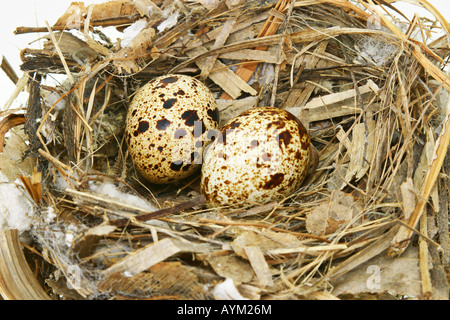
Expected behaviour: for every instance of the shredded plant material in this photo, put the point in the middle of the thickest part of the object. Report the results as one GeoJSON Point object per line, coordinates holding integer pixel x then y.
{"type": "Point", "coordinates": [370, 86]}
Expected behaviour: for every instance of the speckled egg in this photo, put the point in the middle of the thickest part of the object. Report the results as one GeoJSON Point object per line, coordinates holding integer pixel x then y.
{"type": "Point", "coordinates": [166, 127]}
{"type": "Point", "coordinates": [261, 155]}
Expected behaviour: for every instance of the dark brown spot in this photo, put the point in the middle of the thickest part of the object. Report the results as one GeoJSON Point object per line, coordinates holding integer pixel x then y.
{"type": "Point", "coordinates": [304, 146]}
{"type": "Point", "coordinates": [278, 123]}
{"type": "Point", "coordinates": [133, 113]}
{"type": "Point", "coordinates": [214, 114]}
{"type": "Point", "coordinates": [162, 124]}
{"type": "Point", "coordinates": [143, 126]}
{"type": "Point", "coordinates": [234, 125]}
{"type": "Point", "coordinates": [298, 155]}
{"type": "Point", "coordinates": [160, 149]}
{"type": "Point", "coordinates": [169, 103]}
{"type": "Point", "coordinates": [179, 92]}
{"type": "Point", "coordinates": [275, 180]}
{"type": "Point", "coordinates": [169, 80]}
{"type": "Point", "coordinates": [162, 95]}
{"type": "Point", "coordinates": [177, 165]}
{"type": "Point", "coordinates": [190, 116]}
{"type": "Point", "coordinates": [204, 186]}
{"type": "Point", "coordinates": [284, 137]}
{"type": "Point", "coordinates": [266, 157]}
{"type": "Point", "coordinates": [135, 133]}
{"type": "Point", "coordinates": [180, 133]}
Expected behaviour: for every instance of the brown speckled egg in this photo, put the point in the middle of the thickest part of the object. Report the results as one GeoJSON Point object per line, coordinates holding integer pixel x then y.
{"type": "Point", "coordinates": [262, 155]}
{"type": "Point", "coordinates": [166, 127]}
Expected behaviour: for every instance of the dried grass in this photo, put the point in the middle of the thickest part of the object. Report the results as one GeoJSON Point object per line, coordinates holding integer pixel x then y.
{"type": "Point", "coordinates": [373, 100]}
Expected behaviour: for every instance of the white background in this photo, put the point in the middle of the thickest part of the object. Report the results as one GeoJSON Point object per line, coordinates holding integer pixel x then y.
{"type": "Point", "coordinates": [35, 12]}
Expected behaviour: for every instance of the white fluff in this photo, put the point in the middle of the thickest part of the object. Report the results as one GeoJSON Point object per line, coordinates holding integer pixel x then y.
{"type": "Point", "coordinates": [16, 209]}
{"type": "Point", "coordinates": [227, 291]}
{"type": "Point", "coordinates": [51, 99]}
{"type": "Point", "coordinates": [171, 21]}
{"type": "Point", "coordinates": [131, 32]}
{"type": "Point", "coordinates": [110, 190]}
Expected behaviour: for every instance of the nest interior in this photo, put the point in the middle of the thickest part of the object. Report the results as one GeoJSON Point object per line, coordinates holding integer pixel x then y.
{"type": "Point", "coordinates": [370, 85]}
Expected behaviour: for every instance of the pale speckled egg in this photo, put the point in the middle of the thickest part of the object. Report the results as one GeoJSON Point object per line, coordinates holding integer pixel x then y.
{"type": "Point", "coordinates": [166, 127]}
{"type": "Point", "coordinates": [261, 155]}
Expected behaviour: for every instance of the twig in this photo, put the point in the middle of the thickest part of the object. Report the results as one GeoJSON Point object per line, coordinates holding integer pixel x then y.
{"type": "Point", "coordinates": [60, 54]}
{"type": "Point", "coordinates": [163, 212]}
{"type": "Point", "coordinates": [6, 67]}
{"type": "Point", "coordinates": [265, 226]}
{"type": "Point", "coordinates": [121, 20]}
{"type": "Point", "coordinates": [423, 259]}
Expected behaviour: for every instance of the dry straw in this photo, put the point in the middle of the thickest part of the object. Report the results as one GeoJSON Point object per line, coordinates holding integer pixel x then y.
{"type": "Point", "coordinates": [369, 84]}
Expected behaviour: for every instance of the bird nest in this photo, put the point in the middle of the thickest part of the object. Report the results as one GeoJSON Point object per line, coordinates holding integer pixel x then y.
{"type": "Point", "coordinates": [369, 84]}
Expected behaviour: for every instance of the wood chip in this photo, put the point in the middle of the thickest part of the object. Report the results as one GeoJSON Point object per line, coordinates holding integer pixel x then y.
{"type": "Point", "coordinates": [330, 216]}
{"type": "Point", "coordinates": [231, 108]}
{"type": "Point", "coordinates": [150, 255]}
{"type": "Point", "coordinates": [408, 198]}
{"type": "Point", "coordinates": [337, 104]}
{"type": "Point", "coordinates": [223, 76]}
{"type": "Point", "coordinates": [259, 265]}
{"type": "Point", "coordinates": [381, 274]}
{"type": "Point", "coordinates": [231, 266]}
{"type": "Point", "coordinates": [249, 54]}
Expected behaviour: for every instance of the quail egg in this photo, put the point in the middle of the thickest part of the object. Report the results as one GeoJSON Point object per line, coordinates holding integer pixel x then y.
{"type": "Point", "coordinates": [166, 127]}
{"type": "Point", "coordinates": [261, 155]}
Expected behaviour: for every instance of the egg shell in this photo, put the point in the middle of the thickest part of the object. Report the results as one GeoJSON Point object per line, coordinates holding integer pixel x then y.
{"type": "Point", "coordinates": [166, 127]}
{"type": "Point", "coordinates": [261, 155]}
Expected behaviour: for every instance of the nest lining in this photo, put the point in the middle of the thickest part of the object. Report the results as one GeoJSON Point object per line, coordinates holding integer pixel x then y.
{"type": "Point", "coordinates": [374, 101]}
